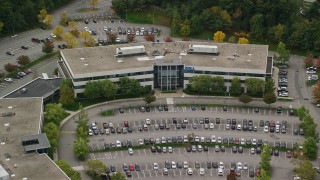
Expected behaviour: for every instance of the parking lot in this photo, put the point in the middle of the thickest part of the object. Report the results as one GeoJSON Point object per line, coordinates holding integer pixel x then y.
{"type": "Point", "coordinates": [163, 130]}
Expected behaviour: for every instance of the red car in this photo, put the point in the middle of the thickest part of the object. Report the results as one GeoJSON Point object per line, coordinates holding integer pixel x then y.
{"type": "Point", "coordinates": [131, 167]}
{"type": "Point", "coordinates": [289, 154]}
{"type": "Point", "coordinates": [236, 141]}
{"type": "Point", "coordinates": [126, 124]}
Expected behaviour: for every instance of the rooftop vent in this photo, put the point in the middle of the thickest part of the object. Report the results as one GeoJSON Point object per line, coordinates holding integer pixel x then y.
{"type": "Point", "coordinates": [86, 64]}
{"type": "Point", "coordinates": [8, 114]}
{"type": "Point", "coordinates": [120, 60]}
{"type": "Point", "coordinates": [82, 58]}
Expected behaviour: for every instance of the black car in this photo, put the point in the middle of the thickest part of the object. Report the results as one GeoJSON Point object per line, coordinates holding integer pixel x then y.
{"type": "Point", "coordinates": [178, 126]}
{"type": "Point", "coordinates": [86, 21]}
{"type": "Point", "coordinates": [105, 125]}
{"type": "Point", "coordinates": [124, 144]}
{"type": "Point", "coordinates": [112, 130]}
{"type": "Point", "coordinates": [165, 108]}
{"type": "Point", "coordinates": [251, 173]}
{"type": "Point", "coordinates": [94, 33]}
{"type": "Point", "coordinates": [107, 146]}
{"type": "Point", "coordinates": [125, 167]}
{"type": "Point", "coordinates": [215, 165]}
{"type": "Point", "coordinates": [279, 109]}
{"type": "Point", "coordinates": [234, 149]}
{"type": "Point", "coordinates": [94, 20]}
{"type": "Point", "coordinates": [301, 132]}
{"type": "Point", "coordinates": [153, 149]}
{"type": "Point", "coordinates": [217, 120]}
{"type": "Point", "coordinates": [113, 168]}
{"type": "Point", "coordinates": [24, 47]}
{"type": "Point", "coordinates": [161, 126]}
{"type": "Point", "coordinates": [183, 126]}
{"type": "Point", "coordinates": [128, 173]}
{"type": "Point", "coordinates": [193, 107]}
{"type": "Point", "coordinates": [147, 109]}
{"type": "Point", "coordinates": [209, 165]}
{"type": "Point", "coordinates": [206, 120]}
{"type": "Point", "coordinates": [203, 107]}
{"type": "Point", "coordinates": [95, 132]}
{"type": "Point", "coordinates": [129, 129]}
{"type": "Point", "coordinates": [174, 121]}
{"type": "Point", "coordinates": [240, 149]}
{"type": "Point", "coordinates": [261, 123]}
{"type": "Point", "coordinates": [179, 165]}
{"type": "Point", "coordinates": [137, 167]}
{"type": "Point", "coordinates": [129, 143]}
{"type": "Point", "coordinates": [276, 152]}
{"type": "Point", "coordinates": [291, 112]}
{"type": "Point", "coordinates": [205, 148]}
{"type": "Point", "coordinates": [121, 110]}
{"type": "Point", "coordinates": [118, 130]}
{"type": "Point", "coordinates": [234, 121]}
{"type": "Point", "coordinates": [225, 108]}
{"type": "Point", "coordinates": [10, 53]}
{"type": "Point", "coordinates": [256, 109]}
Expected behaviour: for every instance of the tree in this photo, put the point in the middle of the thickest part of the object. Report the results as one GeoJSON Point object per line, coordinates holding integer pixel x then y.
{"type": "Point", "coordinates": [53, 133]}
{"type": "Point", "coordinates": [255, 86]}
{"type": "Point", "coordinates": [168, 39]}
{"type": "Point", "coordinates": [232, 39]}
{"type": "Point", "coordinates": [190, 137]}
{"type": "Point", "coordinates": [96, 167]}
{"type": "Point", "coordinates": [93, 3]}
{"type": "Point", "coordinates": [243, 41]}
{"type": "Point", "coordinates": [306, 170]}
{"type": "Point", "coordinates": [42, 15]}
{"type": "Point", "coordinates": [23, 60]}
{"type": "Point", "coordinates": [131, 38]}
{"type": "Point", "coordinates": [70, 172]}
{"type": "Point", "coordinates": [236, 87]}
{"type": "Point", "coordinates": [71, 41]}
{"type": "Point", "coordinates": [129, 86]}
{"type": "Point", "coordinates": [80, 149]}
{"type": "Point", "coordinates": [108, 89]}
{"type": "Point", "coordinates": [316, 92]}
{"type": "Point", "coordinates": [266, 159]}
{"type": "Point", "coordinates": [263, 175]}
{"type": "Point", "coordinates": [217, 84]}
{"type": "Point", "coordinates": [64, 19]}
{"type": "Point", "coordinates": [58, 31]}
{"type": "Point", "coordinates": [150, 37]}
{"type": "Point", "coordinates": [118, 176]}
{"type": "Point", "coordinates": [88, 38]}
{"type": "Point", "coordinates": [257, 26]}
{"type": "Point", "coordinates": [282, 55]}
{"type": "Point", "coordinates": [47, 47]}
{"type": "Point", "coordinates": [310, 148]}
{"type": "Point", "coordinates": [309, 126]}
{"type": "Point", "coordinates": [112, 37]}
{"type": "Point", "coordinates": [219, 37]}
{"type": "Point", "coordinates": [91, 90]}
{"type": "Point", "coordinates": [185, 28]}
{"type": "Point", "coordinates": [201, 84]}
{"type": "Point", "coordinates": [196, 25]}
{"type": "Point", "coordinates": [66, 93]}
{"type": "Point", "coordinates": [232, 176]}
{"type": "Point", "coordinates": [278, 33]}
{"type": "Point", "coordinates": [308, 62]}
{"type": "Point", "coordinates": [149, 98]}
{"type": "Point", "coordinates": [302, 111]}
{"type": "Point", "coordinates": [75, 31]}
{"type": "Point", "coordinates": [48, 20]}
{"type": "Point", "coordinates": [10, 67]}
{"type": "Point", "coordinates": [54, 113]}
{"type": "Point", "coordinates": [269, 86]}
{"type": "Point", "coordinates": [245, 98]}
{"type": "Point", "coordinates": [176, 21]}
{"type": "Point", "coordinates": [1, 26]}
{"type": "Point", "coordinates": [270, 98]}
{"type": "Point", "coordinates": [318, 63]}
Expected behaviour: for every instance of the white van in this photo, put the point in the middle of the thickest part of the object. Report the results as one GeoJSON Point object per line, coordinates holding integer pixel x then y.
{"type": "Point", "coordinates": [145, 127]}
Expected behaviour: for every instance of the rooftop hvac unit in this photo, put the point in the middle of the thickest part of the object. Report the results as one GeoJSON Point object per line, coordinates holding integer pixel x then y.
{"type": "Point", "coordinates": [203, 49]}
{"type": "Point", "coordinates": [133, 50]}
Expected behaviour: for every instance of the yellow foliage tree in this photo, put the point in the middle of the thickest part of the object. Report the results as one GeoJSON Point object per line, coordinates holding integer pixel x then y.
{"type": "Point", "coordinates": [243, 41]}
{"type": "Point", "coordinates": [71, 41]}
{"type": "Point", "coordinates": [64, 18]}
{"type": "Point", "coordinates": [74, 28]}
{"type": "Point", "coordinates": [88, 38]}
{"type": "Point", "coordinates": [48, 20]}
{"type": "Point", "coordinates": [93, 3]}
{"type": "Point", "coordinates": [219, 37]}
{"type": "Point", "coordinates": [42, 15]}
{"type": "Point", "coordinates": [58, 31]}
{"type": "Point", "coordinates": [225, 16]}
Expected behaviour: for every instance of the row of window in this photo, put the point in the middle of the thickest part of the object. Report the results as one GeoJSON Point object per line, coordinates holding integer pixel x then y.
{"type": "Point", "coordinates": [113, 76]}
{"type": "Point", "coordinates": [225, 80]}
{"type": "Point", "coordinates": [226, 73]}
{"type": "Point", "coordinates": [140, 80]}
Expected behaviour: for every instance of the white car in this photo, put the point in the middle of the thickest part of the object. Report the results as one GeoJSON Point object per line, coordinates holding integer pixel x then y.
{"type": "Point", "coordinates": [155, 166]}
{"type": "Point", "coordinates": [190, 171]}
{"type": "Point", "coordinates": [137, 33]}
{"type": "Point", "coordinates": [148, 122]}
{"type": "Point", "coordinates": [219, 140]}
{"type": "Point", "coordinates": [227, 126]}
{"type": "Point", "coordinates": [185, 164]}
{"type": "Point", "coordinates": [173, 165]}
{"type": "Point", "coordinates": [239, 127]}
{"type": "Point", "coordinates": [252, 150]}
{"type": "Point", "coordinates": [202, 171]}
{"type": "Point", "coordinates": [170, 149]}
{"type": "Point", "coordinates": [86, 29]}
{"type": "Point", "coordinates": [254, 141]}
{"type": "Point", "coordinates": [185, 138]}
{"type": "Point", "coordinates": [130, 151]}
{"type": "Point", "coordinates": [165, 171]}
{"type": "Point", "coordinates": [110, 125]}
{"type": "Point", "coordinates": [118, 40]}
{"type": "Point", "coordinates": [202, 139]}
{"type": "Point", "coordinates": [242, 141]}
{"type": "Point", "coordinates": [158, 141]}
{"type": "Point", "coordinates": [196, 139]}
{"type": "Point", "coordinates": [90, 132]}
{"type": "Point", "coordinates": [245, 166]}
{"type": "Point", "coordinates": [266, 129]}
{"type": "Point", "coordinates": [221, 165]}
{"type": "Point", "coordinates": [53, 35]}
{"type": "Point", "coordinates": [164, 149]}
{"type": "Point", "coordinates": [199, 148]}
{"type": "Point", "coordinates": [186, 121]}
{"type": "Point", "coordinates": [140, 142]}
{"type": "Point", "coordinates": [239, 166]}
{"type": "Point", "coordinates": [211, 126]}
{"type": "Point", "coordinates": [107, 131]}
{"type": "Point", "coordinates": [163, 140]}
{"type": "Point", "coordinates": [220, 172]}
{"type": "Point", "coordinates": [105, 28]}
{"type": "Point", "coordinates": [8, 80]}
{"type": "Point", "coordinates": [213, 139]}
{"type": "Point", "coordinates": [118, 143]}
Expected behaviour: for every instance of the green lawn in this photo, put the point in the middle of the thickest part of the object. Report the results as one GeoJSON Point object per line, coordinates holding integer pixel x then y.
{"type": "Point", "coordinates": [149, 17]}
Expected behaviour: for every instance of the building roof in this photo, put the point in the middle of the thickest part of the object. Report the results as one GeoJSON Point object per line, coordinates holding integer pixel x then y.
{"type": "Point", "coordinates": [37, 88]}
{"type": "Point", "coordinates": [102, 59]}
{"type": "Point", "coordinates": [40, 142]}
{"type": "Point", "coordinates": [25, 120]}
